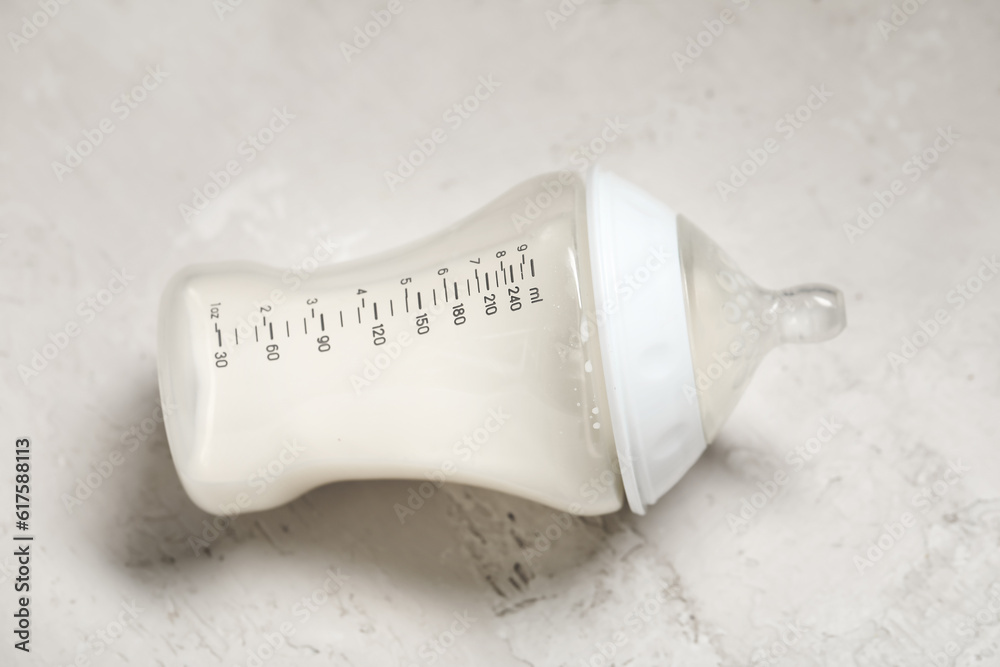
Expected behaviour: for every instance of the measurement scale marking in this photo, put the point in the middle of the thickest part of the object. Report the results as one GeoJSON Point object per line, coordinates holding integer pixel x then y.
{"type": "Point", "coordinates": [468, 288]}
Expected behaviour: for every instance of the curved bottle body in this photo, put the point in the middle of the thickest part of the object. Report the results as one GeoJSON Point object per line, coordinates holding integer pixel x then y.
{"type": "Point", "coordinates": [477, 356]}
{"type": "Point", "coordinates": [463, 358]}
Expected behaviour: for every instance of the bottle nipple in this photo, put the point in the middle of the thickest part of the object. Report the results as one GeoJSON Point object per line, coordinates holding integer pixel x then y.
{"type": "Point", "coordinates": [813, 313]}
{"type": "Point", "coordinates": [734, 323]}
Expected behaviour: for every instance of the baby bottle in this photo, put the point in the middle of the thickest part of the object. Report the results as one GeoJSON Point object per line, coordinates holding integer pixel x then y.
{"type": "Point", "coordinates": [574, 342]}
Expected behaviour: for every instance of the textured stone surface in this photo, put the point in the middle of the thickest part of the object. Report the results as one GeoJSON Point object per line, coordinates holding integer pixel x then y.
{"type": "Point", "coordinates": [681, 585]}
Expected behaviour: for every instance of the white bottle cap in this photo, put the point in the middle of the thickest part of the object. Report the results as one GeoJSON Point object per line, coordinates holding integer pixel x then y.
{"type": "Point", "coordinates": [644, 339]}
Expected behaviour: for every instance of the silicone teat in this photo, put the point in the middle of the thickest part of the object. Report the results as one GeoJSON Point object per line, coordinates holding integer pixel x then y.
{"type": "Point", "coordinates": [733, 323]}
{"type": "Point", "coordinates": [815, 313]}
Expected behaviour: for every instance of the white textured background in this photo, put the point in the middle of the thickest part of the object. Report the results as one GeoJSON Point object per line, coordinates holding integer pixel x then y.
{"type": "Point", "coordinates": [726, 594]}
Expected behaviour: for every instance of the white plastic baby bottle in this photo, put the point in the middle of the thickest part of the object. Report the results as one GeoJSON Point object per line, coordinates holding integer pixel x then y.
{"type": "Point", "coordinates": [574, 342]}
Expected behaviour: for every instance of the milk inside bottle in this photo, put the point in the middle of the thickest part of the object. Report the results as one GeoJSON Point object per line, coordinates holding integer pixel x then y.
{"type": "Point", "coordinates": [574, 343]}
